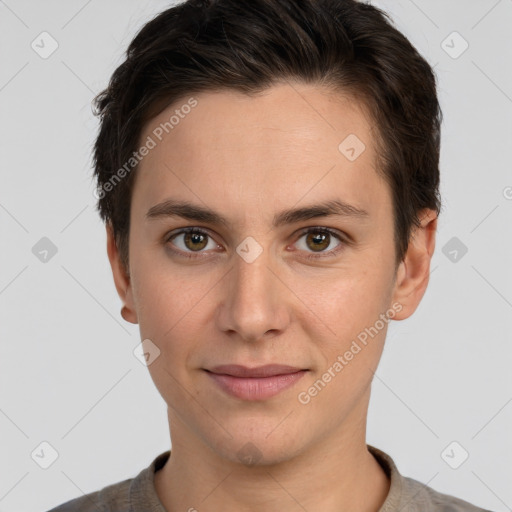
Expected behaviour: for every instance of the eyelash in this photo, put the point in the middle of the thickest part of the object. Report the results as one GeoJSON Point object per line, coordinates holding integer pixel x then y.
{"type": "Point", "coordinates": [312, 229]}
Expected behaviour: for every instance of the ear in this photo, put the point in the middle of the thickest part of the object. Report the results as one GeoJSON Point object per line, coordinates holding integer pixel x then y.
{"type": "Point", "coordinates": [414, 271]}
{"type": "Point", "coordinates": [121, 278]}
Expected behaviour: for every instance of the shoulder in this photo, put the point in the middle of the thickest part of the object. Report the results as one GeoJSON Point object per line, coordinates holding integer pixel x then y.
{"type": "Point", "coordinates": [408, 494]}
{"type": "Point", "coordinates": [112, 497]}
{"type": "Point", "coordinates": [136, 493]}
{"type": "Point", "coordinates": [424, 498]}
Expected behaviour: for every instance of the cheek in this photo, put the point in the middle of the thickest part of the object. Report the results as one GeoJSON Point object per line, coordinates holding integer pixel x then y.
{"type": "Point", "coordinates": [350, 354]}
{"type": "Point", "coordinates": [164, 292]}
{"type": "Point", "coordinates": [168, 312]}
{"type": "Point", "coordinates": [170, 315]}
{"type": "Point", "coordinates": [173, 309]}
{"type": "Point", "coordinates": [350, 349]}
{"type": "Point", "coordinates": [348, 300]}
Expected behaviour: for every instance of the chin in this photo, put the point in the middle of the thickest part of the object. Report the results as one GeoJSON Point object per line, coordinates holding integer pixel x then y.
{"type": "Point", "coordinates": [259, 448]}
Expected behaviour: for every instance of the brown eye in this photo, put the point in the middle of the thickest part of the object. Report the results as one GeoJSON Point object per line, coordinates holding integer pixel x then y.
{"type": "Point", "coordinates": [195, 241]}
{"type": "Point", "coordinates": [317, 241]}
{"type": "Point", "coordinates": [189, 241]}
{"type": "Point", "coordinates": [321, 240]}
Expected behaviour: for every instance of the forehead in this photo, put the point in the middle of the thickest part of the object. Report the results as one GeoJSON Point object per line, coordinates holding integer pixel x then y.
{"type": "Point", "coordinates": [290, 143]}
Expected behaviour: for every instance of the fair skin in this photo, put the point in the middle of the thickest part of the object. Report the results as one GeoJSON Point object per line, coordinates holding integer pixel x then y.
{"type": "Point", "coordinates": [249, 158]}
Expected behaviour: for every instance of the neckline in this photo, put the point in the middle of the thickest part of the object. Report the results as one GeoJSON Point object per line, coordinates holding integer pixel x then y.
{"type": "Point", "coordinates": [143, 493]}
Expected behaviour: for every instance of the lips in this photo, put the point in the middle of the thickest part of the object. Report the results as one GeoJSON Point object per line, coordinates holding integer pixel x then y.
{"type": "Point", "coordinates": [269, 370]}
{"type": "Point", "coordinates": [261, 383]}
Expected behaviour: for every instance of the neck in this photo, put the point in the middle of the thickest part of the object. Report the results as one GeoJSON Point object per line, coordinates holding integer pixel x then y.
{"type": "Point", "coordinates": [336, 473]}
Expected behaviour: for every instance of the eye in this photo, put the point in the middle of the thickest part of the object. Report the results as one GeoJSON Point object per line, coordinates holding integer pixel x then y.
{"type": "Point", "coordinates": [193, 240]}
{"type": "Point", "coordinates": [318, 239]}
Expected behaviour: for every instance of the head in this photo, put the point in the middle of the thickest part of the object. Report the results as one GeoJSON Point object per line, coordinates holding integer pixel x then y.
{"type": "Point", "coordinates": [249, 112]}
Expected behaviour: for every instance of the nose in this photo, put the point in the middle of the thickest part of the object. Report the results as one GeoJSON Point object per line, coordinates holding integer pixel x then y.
{"type": "Point", "coordinates": [255, 301]}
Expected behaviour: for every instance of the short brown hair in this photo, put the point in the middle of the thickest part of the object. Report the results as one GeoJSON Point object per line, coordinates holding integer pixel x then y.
{"type": "Point", "coordinates": [208, 45]}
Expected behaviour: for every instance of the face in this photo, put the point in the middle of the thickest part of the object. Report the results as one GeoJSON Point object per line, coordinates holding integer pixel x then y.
{"type": "Point", "coordinates": [281, 279]}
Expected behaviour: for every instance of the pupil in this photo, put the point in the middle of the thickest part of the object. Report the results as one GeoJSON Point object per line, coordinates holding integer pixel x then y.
{"type": "Point", "coordinates": [318, 239]}
{"type": "Point", "coordinates": [196, 238]}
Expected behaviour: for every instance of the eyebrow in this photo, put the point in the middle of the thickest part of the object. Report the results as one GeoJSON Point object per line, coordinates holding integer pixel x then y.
{"type": "Point", "coordinates": [186, 210]}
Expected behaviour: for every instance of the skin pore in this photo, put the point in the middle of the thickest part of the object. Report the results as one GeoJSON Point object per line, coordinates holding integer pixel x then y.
{"type": "Point", "coordinates": [248, 159]}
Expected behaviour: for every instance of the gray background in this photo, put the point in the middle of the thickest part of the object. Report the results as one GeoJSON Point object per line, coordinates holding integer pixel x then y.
{"type": "Point", "coordinates": [68, 375]}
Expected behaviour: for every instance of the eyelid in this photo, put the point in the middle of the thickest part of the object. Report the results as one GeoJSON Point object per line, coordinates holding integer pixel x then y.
{"type": "Point", "coordinates": [339, 235]}
{"type": "Point", "coordinates": [343, 238]}
{"type": "Point", "coordinates": [332, 231]}
{"type": "Point", "coordinates": [189, 229]}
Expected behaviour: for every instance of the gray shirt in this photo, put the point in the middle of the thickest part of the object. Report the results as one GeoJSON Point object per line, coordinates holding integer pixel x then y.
{"type": "Point", "coordinates": [139, 495]}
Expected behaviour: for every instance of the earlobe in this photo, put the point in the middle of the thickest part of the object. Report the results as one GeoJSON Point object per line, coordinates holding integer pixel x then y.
{"type": "Point", "coordinates": [414, 271]}
{"type": "Point", "coordinates": [128, 315]}
{"type": "Point", "coordinates": [121, 278]}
